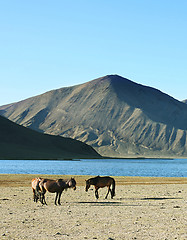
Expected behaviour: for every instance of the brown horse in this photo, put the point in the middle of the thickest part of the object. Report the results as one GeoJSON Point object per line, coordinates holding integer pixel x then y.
{"type": "Point", "coordinates": [36, 192]}
{"type": "Point", "coordinates": [55, 186]}
{"type": "Point", "coordinates": [100, 182]}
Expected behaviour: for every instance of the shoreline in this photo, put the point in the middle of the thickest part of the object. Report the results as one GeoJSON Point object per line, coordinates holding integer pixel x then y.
{"type": "Point", "coordinates": [100, 158]}
{"type": "Point", "coordinates": [91, 158]}
{"type": "Point", "coordinates": [17, 180]}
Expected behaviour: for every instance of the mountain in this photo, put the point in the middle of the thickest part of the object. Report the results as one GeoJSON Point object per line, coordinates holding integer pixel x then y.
{"type": "Point", "coordinates": [18, 142]}
{"type": "Point", "coordinates": [116, 116]}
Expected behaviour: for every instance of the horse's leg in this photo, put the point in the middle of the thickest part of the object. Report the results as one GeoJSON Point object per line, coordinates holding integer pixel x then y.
{"type": "Point", "coordinates": [111, 194]}
{"type": "Point", "coordinates": [59, 195]}
{"type": "Point", "coordinates": [56, 198]}
{"type": "Point", "coordinates": [38, 193]}
{"type": "Point", "coordinates": [37, 196]}
{"type": "Point", "coordinates": [108, 192]}
{"type": "Point", "coordinates": [41, 193]}
{"type": "Point", "coordinates": [96, 193]}
{"type": "Point", "coordinates": [34, 195]}
{"type": "Point", "coordinates": [42, 198]}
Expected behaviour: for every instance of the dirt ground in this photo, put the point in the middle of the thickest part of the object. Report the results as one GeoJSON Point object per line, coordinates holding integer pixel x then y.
{"type": "Point", "coordinates": [143, 208]}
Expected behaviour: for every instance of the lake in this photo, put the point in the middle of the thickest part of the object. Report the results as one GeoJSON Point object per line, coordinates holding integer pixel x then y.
{"type": "Point", "coordinates": [112, 167]}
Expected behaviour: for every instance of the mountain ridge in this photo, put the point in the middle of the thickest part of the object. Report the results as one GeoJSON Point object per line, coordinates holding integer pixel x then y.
{"type": "Point", "coordinates": [18, 142]}
{"type": "Point", "coordinates": [116, 116]}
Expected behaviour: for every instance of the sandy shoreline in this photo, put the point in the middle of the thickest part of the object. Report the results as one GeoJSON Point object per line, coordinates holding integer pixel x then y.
{"type": "Point", "coordinates": [143, 208]}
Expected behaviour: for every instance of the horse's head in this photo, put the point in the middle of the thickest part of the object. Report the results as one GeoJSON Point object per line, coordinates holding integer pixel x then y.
{"type": "Point", "coordinates": [72, 183]}
{"type": "Point", "coordinates": [87, 185]}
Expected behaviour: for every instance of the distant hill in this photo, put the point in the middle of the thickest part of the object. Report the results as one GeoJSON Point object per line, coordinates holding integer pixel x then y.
{"type": "Point", "coordinates": [18, 142]}
{"type": "Point", "coordinates": [116, 116]}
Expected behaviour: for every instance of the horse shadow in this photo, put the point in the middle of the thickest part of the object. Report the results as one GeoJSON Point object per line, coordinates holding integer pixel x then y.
{"type": "Point", "coordinates": [100, 203]}
{"type": "Point", "coordinates": [159, 198]}
{"type": "Point", "coordinates": [117, 203]}
{"type": "Point", "coordinates": [150, 198]}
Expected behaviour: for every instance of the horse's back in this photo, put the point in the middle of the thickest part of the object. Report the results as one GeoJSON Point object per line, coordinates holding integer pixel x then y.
{"type": "Point", "coordinates": [52, 185]}
{"type": "Point", "coordinates": [107, 181]}
{"type": "Point", "coordinates": [102, 181]}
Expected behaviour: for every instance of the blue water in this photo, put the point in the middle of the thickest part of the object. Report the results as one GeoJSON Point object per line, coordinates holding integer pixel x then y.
{"type": "Point", "coordinates": [112, 167]}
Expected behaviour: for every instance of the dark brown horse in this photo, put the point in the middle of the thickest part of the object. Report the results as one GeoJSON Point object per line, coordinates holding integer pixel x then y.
{"type": "Point", "coordinates": [100, 182]}
{"type": "Point", "coordinates": [36, 192]}
{"type": "Point", "coordinates": [55, 186]}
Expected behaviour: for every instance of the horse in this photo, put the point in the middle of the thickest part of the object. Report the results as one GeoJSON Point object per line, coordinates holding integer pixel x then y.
{"type": "Point", "coordinates": [36, 192]}
{"type": "Point", "coordinates": [55, 186]}
{"type": "Point", "coordinates": [100, 182]}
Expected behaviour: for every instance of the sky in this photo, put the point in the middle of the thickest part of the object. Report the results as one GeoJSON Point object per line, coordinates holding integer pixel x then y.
{"type": "Point", "coordinates": [46, 45]}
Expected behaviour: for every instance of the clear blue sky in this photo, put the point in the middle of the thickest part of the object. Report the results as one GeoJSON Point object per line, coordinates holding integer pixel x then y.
{"type": "Point", "coordinates": [46, 45]}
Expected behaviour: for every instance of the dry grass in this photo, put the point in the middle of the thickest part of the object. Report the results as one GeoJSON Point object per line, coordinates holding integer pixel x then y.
{"type": "Point", "coordinates": [24, 180]}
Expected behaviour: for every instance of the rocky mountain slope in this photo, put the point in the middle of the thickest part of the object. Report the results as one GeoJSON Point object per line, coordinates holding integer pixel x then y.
{"type": "Point", "coordinates": [18, 142]}
{"type": "Point", "coordinates": [116, 116]}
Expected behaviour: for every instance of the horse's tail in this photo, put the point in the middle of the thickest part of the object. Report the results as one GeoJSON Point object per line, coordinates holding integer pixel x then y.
{"type": "Point", "coordinates": [113, 188]}
{"type": "Point", "coordinates": [40, 190]}
{"type": "Point", "coordinates": [38, 187]}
